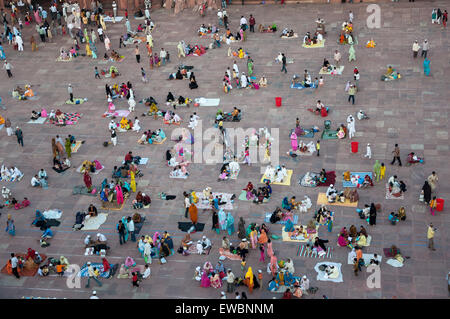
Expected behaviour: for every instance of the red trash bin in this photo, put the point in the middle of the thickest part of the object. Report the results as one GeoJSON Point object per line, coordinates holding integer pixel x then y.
{"type": "Point", "coordinates": [278, 101]}
{"type": "Point", "coordinates": [439, 204]}
{"type": "Point", "coordinates": [355, 147]}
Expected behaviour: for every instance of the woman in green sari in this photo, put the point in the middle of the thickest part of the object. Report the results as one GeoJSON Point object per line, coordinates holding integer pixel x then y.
{"type": "Point", "coordinates": [250, 67]}
{"type": "Point", "coordinates": [377, 170]}
{"type": "Point", "coordinates": [68, 147]}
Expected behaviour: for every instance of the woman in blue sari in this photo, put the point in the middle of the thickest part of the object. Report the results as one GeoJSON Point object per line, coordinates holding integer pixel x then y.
{"type": "Point", "coordinates": [38, 217]}
{"type": "Point", "coordinates": [426, 66]}
{"type": "Point", "coordinates": [125, 223]}
{"type": "Point", "coordinates": [289, 227]}
{"type": "Point", "coordinates": [230, 224]}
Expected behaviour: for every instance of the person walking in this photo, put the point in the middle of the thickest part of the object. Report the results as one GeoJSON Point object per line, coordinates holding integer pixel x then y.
{"type": "Point", "coordinates": [91, 275]}
{"type": "Point", "coordinates": [230, 281]}
{"type": "Point", "coordinates": [433, 205]}
{"type": "Point", "coordinates": [351, 93]}
{"type": "Point", "coordinates": [130, 225]}
{"type": "Point", "coordinates": [430, 236]}
{"type": "Point", "coordinates": [19, 135]}
{"type": "Point", "coordinates": [97, 75]}
{"type": "Point", "coordinates": [121, 231]}
{"type": "Point", "coordinates": [415, 49]}
{"type": "Point", "coordinates": [9, 130]}
{"type": "Point", "coordinates": [70, 90]}
{"type": "Point", "coordinates": [318, 147]}
{"type": "Point", "coordinates": [283, 60]}
{"type": "Point", "coordinates": [163, 56]}
{"type": "Point", "coordinates": [113, 137]}
{"type": "Point", "coordinates": [114, 7]}
{"type": "Point", "coordinates": [368, 152]}
{"type": "Point", "coordinates": [14, 263]}
{"type": "Point", "coordinates": [425, 47]}
{"type": "Point", "coordinates": [396, 153]}
{"type": "Point", "coordinates": [7, 66]}
{"type": "Point", "coordinates": [138, 55]}
{"type": "Point", "coordinates": [337, 57]}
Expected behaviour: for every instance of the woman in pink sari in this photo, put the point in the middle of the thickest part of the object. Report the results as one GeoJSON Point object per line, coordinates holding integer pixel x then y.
{"type": "Point", "coordinates": [119, 195]}
{"type": "Point", "coordinates": [216, 282]}
{"type": "Point", "coordinates": [107, 43]}
{"type": "Point", "coordinates": [294, 142]}
{"type": "Point", "coordinates": [205, 281]}
{"type": "Point", "coordinates": [87, 180]}
{"type": "Point", "coordinates": [269, 248]}
{"type": "Point", "coordinates": [37, 17]}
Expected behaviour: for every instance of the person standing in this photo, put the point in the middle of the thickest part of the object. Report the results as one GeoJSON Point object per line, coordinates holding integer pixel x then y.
{"type": "Point", "coordinates": [433, 205]}
{"type": "Point", "coordinates": [138, 55]}
{"type": "Point", "coordinates": [9, 130]}
{"type": "Point", "coordinates": [283, 60]}
{"type": "Point", "coordinates": [130, 225]}
{"type": "Point", "coordinates": [351, 93]}
{"type": "Point", "coordinates": [432, 180]}
{"type": "Point", "coordinates": [94, 295]}
{"type": "Point", "coordinates": [144, 77]}
{"type": "Point", "coordinates": [318, 147]}
{"type": "Point", "coordinates": [252, 22]}
{"type": "Point", "coordinates": [430, 236]}
{"type": "Point", "coordinates": [415, 49]}
{"type": "Point", "coordinates": [19, 135]}
{"type": "Point", "coordinates": [368, 151]}
{"type": "Point", "coordinates": [444, 19]}
{"type": "Point", "coordinates": [70, 90]}
{"type": "Point", "coordinates": [91, 275]}
{"type": "Point", "coordinates": [225, 20]}
{"type": "Point", "coordinates": [260, 279]}
{"type": "Point", "coordinates": [337, 57]}
{"type": "Point", "coordinates": [187, 204]}
{"type": "Point", "coordinates": [425, 47]}
{"type": "Point", "coordinates": [350, 16]}
{"type": "Point", "coordinates": [230, 281]}
{"type": "Point", "coordinates": [396, 153]}
{"type": "Point", "coordinates": [14, 263]}
{"type": "Point", "coordinates": [163, 56]}
{"type": "Point", "coordinates": [97, 75]}
{"type": "Point", "coordinates": [121, 231]}
{"type": "Point", "coordinates": [7, 66]}
{"type": "Point", "coordinates": [220, 16]}
{"type": "Point", "coordinates": [351, 54]}
{"type": "Point", "coordinates": [114, 7]}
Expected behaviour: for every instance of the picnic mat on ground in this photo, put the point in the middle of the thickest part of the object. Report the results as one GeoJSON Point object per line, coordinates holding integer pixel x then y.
{"type": "Point", "coordinates": [194, 251]}
{"type": "Point", "coordinates": [59, 59]}
{"type": "Point", "coordinates": [389, 195]}
{"type": "Point", "coordinates": [143, 161]}
{"type": "Point", "coordinates": [339, 70]}
{"type": "Point", "coordinates": [40, 120]}
{"type": "Point", "coordinates": [118, 113]}
{"type": "Point", "coordinates": [309, 134]}
{"type": "Point", "coordinates": [304, 252]}
{"type": "Point", "coordinates": [243, 196]}
{"type": "Point", "coordinates": [321, 44]}
{"type": "Point", "coordinates": [286, 237]}
{"type": "Point", "coordinates": [299, 86]}
{"type": "Point", "coordinates": [321, 274]}
{"type": "Point", "coordinates": [322, 199]}
{"type": "Point", "coordinates": [160, 143]}
{"type": "Point", "coordinates": [330, 179]}
{"type": "Point", "coordinates": [185, 226]}
{"type": "Point", "coordinates": [138, 226]}
{"type": "Point", "coordinates": [27, 271]}
{"type": "Point", "coordinates": [76, 147]}
{"type": "Point", "coordinates": [82, 190]}
{"type": "Point", "coordinates": [76, 101]}
{"type": "Point", "coordinates": [226, 197]}
{"type": "Point", "coordinates": [52, 214]}
{"type": "Point", "coordinates": [113, 205]}
{"type": "Point", "coordinates": [207, 102]}
{"type": "Point", "coordinates": [179, 177]}
{"type": "Point", "coordinates": [287, 179]}
{"type": "Point", "coordinates": [70, 118]}
{"type": "Point", "coordinates": [329, 134]}
{"type": "Point", "coordinates": [387, 252]}
{"type": "Point", "coordinates": [84, 270]}
{"type": "Point", "coordinates": [95, 173]}
{"type": "Point", "coordinates": [110, 19]}
{"type": "Point", "coordinates": [394, 263]}
{"type": "Point", "coordinates": [366, 257]}
{"type": "Point", "coordinates": [228, 254]}
{"type": "Point", "coordinates": [282, 222]}
{"type": "Point", "coordinates": [94, 223]}
{"type": "Point", "coordinates": [353, 182]}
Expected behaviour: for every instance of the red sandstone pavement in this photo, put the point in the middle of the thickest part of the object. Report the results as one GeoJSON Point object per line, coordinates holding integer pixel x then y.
{"type": "Point", "coordinates": [411, 112]}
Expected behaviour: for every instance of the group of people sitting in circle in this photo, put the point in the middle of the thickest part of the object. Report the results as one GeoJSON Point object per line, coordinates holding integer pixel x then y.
{"type": "Point", "coordinates": [171, 118]}
{"type": "Point", "coordinates": [11, 175]}
{"type": "Point", "coordinates": [114, 56]}
{"type": "Point", "coordinates": [353, 238]}
{"type": "Point", "coordinates": [346, 36]}
{"type": "Point", "coordinates": [323, 216]}
{"type": "Point", "coordinates": [40, 179]}
{"type": "Point", "coordinates": [333, 195]}
{"type": "Point", "coordinates": [270, 29]}
{"type": "Point", "coordinates": [142, 200]}
{"type": "Point", "coordinates": [22, 94]}
{"type": "Point", "coordinates": [306, 82]}
{"type": "Point", "coordinates": [316, 39]}
{"type": "Point", "coordinates": [149, 137]}
{"type": "Point", "coordinates": [287, 33]}
{"type": "Point", "coordinates": [258, 195]}
{"type": "Point", "coordinates": [233, 116]}
{"type": "Point", "coordinates": [183, 72]}
{"type": "Point", "coordinates": [396, 187]}
{"type": "Point", "coordinates": [178, 102]}
{"type": "Point", "coordinates": [277, 174]}
{"type": "Point", "coordinates": [205, 30]}
{"type": "Point", "coordinates": [391, 74]}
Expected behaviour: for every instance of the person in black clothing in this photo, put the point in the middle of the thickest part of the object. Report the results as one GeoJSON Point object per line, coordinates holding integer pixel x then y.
{"type": "Point", "coordinates": [372, 215]}
{"type": "Point", "coordinates": [121, 230]}
{"type": "Point", "coordinates": [283, 60]}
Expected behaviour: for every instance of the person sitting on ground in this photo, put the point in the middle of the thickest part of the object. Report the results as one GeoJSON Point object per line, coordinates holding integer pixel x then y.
{"type": "Point", "coordinates": [393, 218]}
{"type": "Point", "coordinates": [35, 182]}
{"type": "Point", "coordinates": [92, 210]}
{"type": "Point", "coordinates": [35, 115]}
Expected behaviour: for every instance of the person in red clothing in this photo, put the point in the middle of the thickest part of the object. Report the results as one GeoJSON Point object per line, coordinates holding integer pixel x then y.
{"type": "Point", "coordinates": [129, 157]}
{"type": "Point", "coordinates": [252, 22]}
{"type": "Point", "coordinates": [126, 14]}
{"type": "Point", "coordinates": [135, 280]}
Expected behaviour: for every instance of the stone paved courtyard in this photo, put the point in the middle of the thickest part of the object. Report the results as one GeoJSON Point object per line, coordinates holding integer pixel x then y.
{"type": "Point", "coordinates": [412, 112]}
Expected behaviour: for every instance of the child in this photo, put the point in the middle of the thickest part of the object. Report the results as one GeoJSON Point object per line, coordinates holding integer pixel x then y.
{"type": "Point", "coordinates": [135, 279]}
{"type": "Point", "coordinates": [330, 224]}
{"type": "Point", "coordinates": [97, 75]}
{"type": "Point", "coordinates": [318, 148]}
{"type": "Point", "coordinates": [60, 269]}
{"type": "Point", "coordinates": [316, 83]}
{"type": "Point", "coordinates": [243, 263]}
{"type": "Point", "coordinates": [260, 278]}
{"type": "Point", "coordinates": [382, 171]}
{"type": "Point", "coordinates": [320, 81]}
{"type": "Point", "coordinates": [433, 205]}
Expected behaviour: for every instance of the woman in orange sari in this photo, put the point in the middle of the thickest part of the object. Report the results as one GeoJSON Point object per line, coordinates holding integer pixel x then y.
{"type": "Point", "coordinates": [193, 213]}
{"type": "Point", "coordinates": [249, 279]}
{"type": "Point", "coordinates": [262, 237]}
